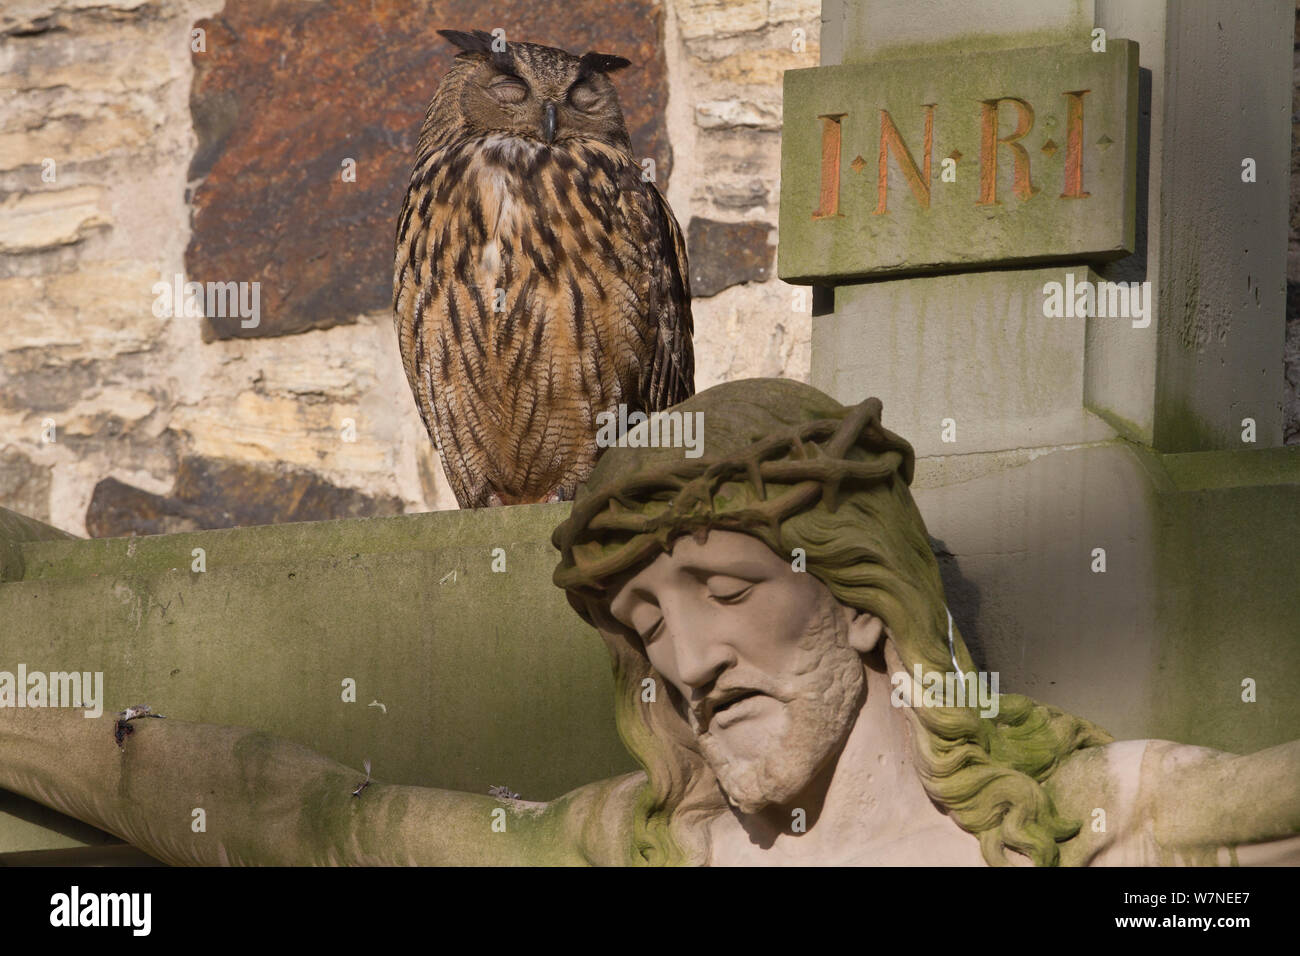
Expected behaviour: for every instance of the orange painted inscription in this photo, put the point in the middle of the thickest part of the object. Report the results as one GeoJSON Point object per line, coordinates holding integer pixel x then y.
{"type": "Point", "coordinates": [918, 176]}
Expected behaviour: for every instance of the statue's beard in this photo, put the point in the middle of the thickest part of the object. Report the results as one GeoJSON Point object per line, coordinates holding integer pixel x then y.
{"type": "Point", "coordinates": [757, 768]}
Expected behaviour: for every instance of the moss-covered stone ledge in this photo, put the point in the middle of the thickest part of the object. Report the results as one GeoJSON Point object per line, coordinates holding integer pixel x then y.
{"type": "Point", "coordinates": [465, 677]}
{"type": "Point", "coordinates": [16, 532]}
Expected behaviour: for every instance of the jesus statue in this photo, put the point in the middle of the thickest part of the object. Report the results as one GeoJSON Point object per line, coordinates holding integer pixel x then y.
{"type": "Point", "coordinates": [763, 603]}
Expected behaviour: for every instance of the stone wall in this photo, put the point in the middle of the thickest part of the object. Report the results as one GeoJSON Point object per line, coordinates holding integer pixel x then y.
{"type": "Point", "coordinates": [176, 424]}
{"type": "Point", "coordinates": [127, 157]}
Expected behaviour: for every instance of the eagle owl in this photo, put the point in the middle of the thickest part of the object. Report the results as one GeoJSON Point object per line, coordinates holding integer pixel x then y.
{"type": "Point", "coordinates": [540, 279]}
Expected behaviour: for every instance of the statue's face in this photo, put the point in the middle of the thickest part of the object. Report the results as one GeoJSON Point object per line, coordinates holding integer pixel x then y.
{"type": "Point", "coordinates": [766, 662]}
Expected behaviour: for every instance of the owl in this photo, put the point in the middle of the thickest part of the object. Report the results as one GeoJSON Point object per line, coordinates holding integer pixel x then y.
{"type": "Point", "coordinates": [540, 278]}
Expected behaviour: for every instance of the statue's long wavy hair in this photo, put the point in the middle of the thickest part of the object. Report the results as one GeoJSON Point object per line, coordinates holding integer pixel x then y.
{"type": "Point", "coordinates": [873, 554]}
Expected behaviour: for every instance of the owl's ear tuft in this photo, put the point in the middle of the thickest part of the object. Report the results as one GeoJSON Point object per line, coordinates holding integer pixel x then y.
{"type": "Point", "coordinates": [603, 63]}
{"type": "Point", "coordinates": [476, 42]}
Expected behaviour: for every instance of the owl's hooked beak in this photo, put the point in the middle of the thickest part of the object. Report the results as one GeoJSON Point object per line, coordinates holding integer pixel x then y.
{"type": "Point", "coordinates": [548, 124]}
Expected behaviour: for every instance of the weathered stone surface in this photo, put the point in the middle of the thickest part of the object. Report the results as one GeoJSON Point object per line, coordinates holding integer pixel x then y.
{"type": "Point", "coordinates": [742, 194]}
{"type": "Point", "coordinates": [724, 254]}
{"type": "Point", "coordinates": [24, 485]}
{"type": "Point", "coordinates": [124, 404]}
{"type": "Point", "coordinates": [751, 331]}
{"type": "Point", "coordinates": [71, 85]}
{"type": "Point", "coordinates": [91, 133]}
{"type": "Point", "coordinates": [22, 18]}
{"type": "Point", "coordinates": [279, 103]}
{"type": "Point", "coordinates": [226, 494]}
{"type": "Point", "coordinates": [31, 222]}
{"type": "Point", "coordinates": [834, 223]}
{"type": "Point", "coordinates": [708, 18]}
{"type": "Point", "coordinates": [100, 310]}
{"type": "Point", "coordinates": [279, 429]}
{"type": "Point", "coordinates": [16, 531]}
{"type": "Point", "coordinates": [759, 68]}
{"type": "Point", "coordinates": [485, 678]}
{"type": "Point", "coordinates": [705, 18]}
{"type": "Point", "coordinates": [731, 114]}
{"type": "Point", "coordinates": [873, 30]}
{"type": "Point", "coordinates": [1140, 649]}
{"type": "Point", "coordinates": [975, 349]}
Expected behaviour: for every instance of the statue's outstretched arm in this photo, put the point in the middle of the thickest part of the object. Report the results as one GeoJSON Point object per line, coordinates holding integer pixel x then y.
{"type": "Point", "coordinates": [263, 800]}
{"type": "Point", "coordinates": [1200, 798]}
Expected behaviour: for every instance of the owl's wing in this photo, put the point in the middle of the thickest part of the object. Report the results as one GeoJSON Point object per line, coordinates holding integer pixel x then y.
{"type": "Point", "coordinates": [406, 295]}
{"type": "Point", "coordinates": [672, 372]}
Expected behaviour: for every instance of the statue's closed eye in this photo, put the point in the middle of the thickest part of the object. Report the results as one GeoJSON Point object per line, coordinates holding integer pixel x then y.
{"type": "Point", "coordinates": [649, 635]}
{"type": "Point", "coordinates": [726, 589]}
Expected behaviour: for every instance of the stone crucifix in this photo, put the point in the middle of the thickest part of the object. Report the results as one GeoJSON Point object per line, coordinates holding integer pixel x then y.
{"type": "Point", "coordinates": [763, 604]}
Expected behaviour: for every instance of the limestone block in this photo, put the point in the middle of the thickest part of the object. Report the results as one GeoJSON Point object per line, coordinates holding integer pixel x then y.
{"type": "Point", "coordinates": [84, 131]}
{"type": "Point", "coordinates": [750, 330]}
{"type": "Point", "coordinates": [271, 429]}
{"type": "Point", "coordinates": [125, 406]}
{"type": "Point", "coordinates": [874, 30]}
{"type": "Point", "coordinates": [974, 349]}
{"type": "Point", "coordinates": [101, 310]}
{"type": "Point", "coordinates": [781, 11]}
{"type": "Point", "coordinates": [31, 222]}
{"type": "Point", "coordinates": [705, 18]}
{"type": "Point", "coordinates": [763, 67]}
{"type": "Point", "coordinates": [1038, 170]}
{"type": "Point", "coordinates": [731, 114]}
{"type": "Point", "coordinates": [36, 16]}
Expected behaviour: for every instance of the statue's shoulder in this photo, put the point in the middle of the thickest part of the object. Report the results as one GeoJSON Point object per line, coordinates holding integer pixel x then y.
{"type": "Point", "coordinates": [598, 817]}
{"type": "Point", "coordinates": [1099, 787]}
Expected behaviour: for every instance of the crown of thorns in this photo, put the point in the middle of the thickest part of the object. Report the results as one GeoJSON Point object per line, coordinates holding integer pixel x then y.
{"type": "Point", "coordinates": [619, 525]}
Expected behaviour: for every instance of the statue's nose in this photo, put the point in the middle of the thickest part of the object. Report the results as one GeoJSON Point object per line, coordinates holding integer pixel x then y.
{"type": "Point", "coordinates": [700, 662]}
{"type": "Point", "coordinates": [548, 123]}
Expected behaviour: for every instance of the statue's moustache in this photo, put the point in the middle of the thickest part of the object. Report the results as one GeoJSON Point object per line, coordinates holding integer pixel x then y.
{"type": "Point", "coordinates": [703, 709]}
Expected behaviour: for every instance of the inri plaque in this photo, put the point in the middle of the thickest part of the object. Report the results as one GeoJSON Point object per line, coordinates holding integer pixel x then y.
{"type": "Point", "coordinates": [950, 162]}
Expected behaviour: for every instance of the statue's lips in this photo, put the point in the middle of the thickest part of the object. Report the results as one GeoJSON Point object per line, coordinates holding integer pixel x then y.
{"type": "Point", "coordinates": [738, 707]}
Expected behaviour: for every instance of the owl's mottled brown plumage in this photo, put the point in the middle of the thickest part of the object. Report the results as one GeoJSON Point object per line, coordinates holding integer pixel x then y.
{"type": "Point", "coordinates": [539, 278]}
